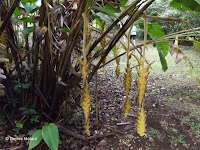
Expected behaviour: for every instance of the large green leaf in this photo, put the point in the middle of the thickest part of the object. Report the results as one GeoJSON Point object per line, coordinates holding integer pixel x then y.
{"type": "Point", "coordinates": [27, 30]}
{"type": "Point", "coordinates": [103, 17]}
{"type": "Point", "coordinates": [105, 11]}
{"type": "Point", "coordinates": [190, 5]}
{"type": "Point", "coordinates": [28, 19]}
{"type": "Point", "coordinates": [36, 138]}
{"type": "Point", "coordinates": [50, 135]}
{"type": "Point", "coordinates": [155, 31]}
{"type": "Point", "coordinates": [17, 12]}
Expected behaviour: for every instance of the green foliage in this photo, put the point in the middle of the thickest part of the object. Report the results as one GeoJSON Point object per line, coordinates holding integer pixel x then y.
{"type": "Point", "coordinates": [103, 17]}
{"type": "Point", "coordinates": [50, 135]}
{"type": "Point", "coordinates": [30, 8]}
{"type": "Point", "coordinates": [18, 127]}
{"type": "Point", "coordinates": [17, 12]}
{"type": "Point", "coordinates": [190, 5]}
{"type": "Point", "coordinates": [27, 111]}
{"type": "Point", "coordinates": [168, 27]}
{"type": "Point", "coordinates": [38, 136]}
{"type": "Point", "coordinates": [28, 19]}
{"type": "Point", "coordinates": [105, 11]}
{"type": "Point", "coordinates": [28, 30]}
{"type": "Point", "coordinates": [20, 86]}
{"type": "Point", "coordinates": [111, 9]}
{"type": "Point", "coordinates": [155, 31]}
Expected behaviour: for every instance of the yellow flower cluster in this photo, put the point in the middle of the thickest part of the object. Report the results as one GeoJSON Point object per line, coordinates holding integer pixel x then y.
{"type": "Point", "coordinates": [86, 105]}
{"type": "Point", "coordinates": [141, 122]}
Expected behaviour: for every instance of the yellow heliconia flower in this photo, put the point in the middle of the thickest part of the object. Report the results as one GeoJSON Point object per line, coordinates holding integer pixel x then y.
{"type": "Point", "coordinates": [141, 122]}
{"type": "Point", "coordinates": [127, 106]}
{"type": "Point", "coordinates": [86, 105]}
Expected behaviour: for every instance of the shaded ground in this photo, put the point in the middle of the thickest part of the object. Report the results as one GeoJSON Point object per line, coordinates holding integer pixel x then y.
{"type": "Point", "coordinates": [172, 108]}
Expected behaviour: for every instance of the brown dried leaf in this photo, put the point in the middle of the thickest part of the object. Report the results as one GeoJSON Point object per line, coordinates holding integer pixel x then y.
{"type": "Point", "coordinates": [173, 48]}
{"type": "Point", "coordinates": [180, 55]}
{"type": "Point", "coordinates": [39, 31]}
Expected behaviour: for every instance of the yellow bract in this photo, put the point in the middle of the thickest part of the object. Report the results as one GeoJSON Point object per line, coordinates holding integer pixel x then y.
{"type": "Point", "coordinates": [141, 122]}
{"type": "Point", "coordinates": [127, 106]}
{"type": "Point", "coordinates": [86, 105]}
{"type": "Point", "coordinates": [85, 98]}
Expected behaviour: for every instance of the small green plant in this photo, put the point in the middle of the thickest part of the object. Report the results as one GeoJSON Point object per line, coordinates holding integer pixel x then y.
{"type": "Point", "coordinates": [157, 134]}
{"type": "Point", "coordinates": [18, 127]}
{"type": "Point", "coordinates": [27, 111]}
{"type": "Point", "coordinates": [34, 119]}
{"type": "Point", "coordinates": [30, 112]}
{"type": "Point", "coordinates": [49, 133]}
{"type": "Point", "coordinates": [19, 86]}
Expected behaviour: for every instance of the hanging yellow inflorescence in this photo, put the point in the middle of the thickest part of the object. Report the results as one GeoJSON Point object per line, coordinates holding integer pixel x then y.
{"type": "Point", "coordinates": [143, 73]}
{"type": "Point", "coordinates": [85, 98]}
{"type": "Point", "coordinates": [127, 85]}
{"type": "Point", "coordinates": [86, 105]}
{"type": "Point", "coordinates": [141, 122]}
{"type": "Point", "coordinates": [141, 82]}
{"type": "Point", "coordinates": [127, 81]}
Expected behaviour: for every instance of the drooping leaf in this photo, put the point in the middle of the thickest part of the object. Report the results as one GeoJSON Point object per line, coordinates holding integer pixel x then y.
{"type": "Point", "coordinates": [50, 135]}
{"type": "Point", "coordinates": [105, 11]}
{"type": "Point", "coordinates": [99, 23]}
{"type": "Point", "coordinates": [162, 58]}
{"type": "Point", "coordinates": [28, 19]}
{"type": "Point", "coordinates": [27, 30]}
{"type": "Point", "coordinates": [155, 31]}
{"type": "Point", "coordinates": [37, 137]}
{"type": "Point", "coordinates": [180, 55]}
{"type": "Point", "coordinates": [190, 5]}
{"type": "Point", "coordinates": [103, 17]}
